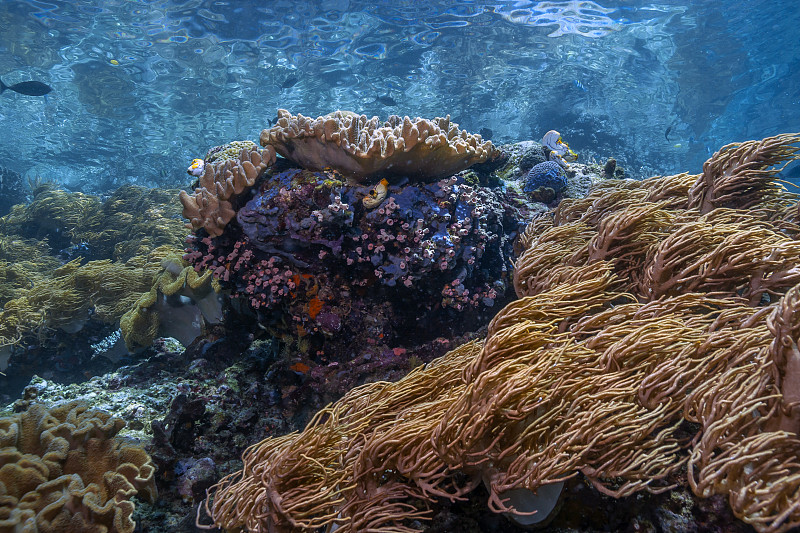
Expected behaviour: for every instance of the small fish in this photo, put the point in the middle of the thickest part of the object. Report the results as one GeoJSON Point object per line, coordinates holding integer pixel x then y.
{"type": "Point", "coordinates": [579, 85]}
{"type": "Point", "coordinates": [386, 100]}
{"type": "Point", "coordinates": [376, 194]}
{"type": "Point", "coordinates": [30, 88]}
{"type": "Point", "coordinates": [666, 133]}
{"type": "Point", "coordinates": [486, 133]}
{"type": "Point", "coordinates": [197, 168]}
{"type": "Point", "coordinates": [289, 82]}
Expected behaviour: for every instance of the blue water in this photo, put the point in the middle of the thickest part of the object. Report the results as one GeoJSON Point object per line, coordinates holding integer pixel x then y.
{"type": "Point", "coordinates": [140, 88]}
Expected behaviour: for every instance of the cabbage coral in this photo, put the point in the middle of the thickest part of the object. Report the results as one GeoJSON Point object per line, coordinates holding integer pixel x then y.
{"type": "Point", "coordinates": [362, 148]}
{"type": "Point", "coordinates": [652, 333]}
{"type": "Point", "coordinates": [64, 469]}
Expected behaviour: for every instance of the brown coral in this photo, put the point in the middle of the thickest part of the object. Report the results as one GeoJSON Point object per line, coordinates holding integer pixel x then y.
{"type": "Point", "coordinates": [630, 354]}
{"type": "Point", "coordinates": [362, 148]}
{"type": "Point", "coordinates": [210, 206]}
{"type": "Point", "coordinates": [62, 469]}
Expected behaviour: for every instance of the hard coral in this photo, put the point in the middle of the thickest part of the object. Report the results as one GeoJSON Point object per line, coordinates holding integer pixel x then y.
{"type": "Point", "coordinates": [362, 148]}
{"type": "Point", "coordinates": [548, 174]}
{"type": "Point", "coordinates": [62, 469]}
{"type": "Point", "coordinates": [211, 205]}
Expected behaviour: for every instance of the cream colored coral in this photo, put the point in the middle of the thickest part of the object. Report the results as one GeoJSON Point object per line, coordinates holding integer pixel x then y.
{"type": "Point", "coordinates": [363, 148]}
{"type": "Point", "coordinates": [61, 469]}
{"type": "Point", "coordinates": [210, 206]}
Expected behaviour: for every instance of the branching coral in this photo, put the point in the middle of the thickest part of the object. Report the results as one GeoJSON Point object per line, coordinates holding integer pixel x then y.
{"type": "Point", "coordinates": [222, 180]}
{"type": "Point", "coordinates": [362, 148]}
{"type": "Point", "coordinates": [648, 336]}
{"type": "Point", "coordinates": [63, 469]}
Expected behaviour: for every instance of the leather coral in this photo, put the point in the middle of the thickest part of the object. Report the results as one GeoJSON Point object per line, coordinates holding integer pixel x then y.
{"type": "Point", "coordinates": [362, 148]}
{"type": "Point", "coordinates": [648, 337]}
{"type": "Point", "coordinates": [62, 469]}
{"type": "Point", "coordinates": [210, 207]}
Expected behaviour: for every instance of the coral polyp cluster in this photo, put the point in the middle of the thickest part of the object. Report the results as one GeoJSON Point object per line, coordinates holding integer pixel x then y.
{"type": "Point", "coordinates": [310, 251]}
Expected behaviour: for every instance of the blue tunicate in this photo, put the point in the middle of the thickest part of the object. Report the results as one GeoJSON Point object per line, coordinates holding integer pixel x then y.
{"type": "Point", "coordinates": [463, 211]}
{"type": "Point", "coordinates": [548, 174]}
{"type": "Point", "coordinates": [441, 236]}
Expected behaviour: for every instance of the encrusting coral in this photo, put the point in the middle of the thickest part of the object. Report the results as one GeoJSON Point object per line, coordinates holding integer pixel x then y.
{"type": "Point", "coordinates": [210, 206]}
{"type": "Point", "coordinates": [361, 148]}
{"type": "Point", "coordinates": [62, 469]}
{"type": "Point", "coordinates": [656, 329]}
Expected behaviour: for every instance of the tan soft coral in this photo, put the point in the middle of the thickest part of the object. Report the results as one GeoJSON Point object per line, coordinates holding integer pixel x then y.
{"type": "Point", "coordinates": [362, 148]}
{"type": "Point", "coordinates": [63, 469]}
{"type": "Point", "coordinates": [649, 337]}
{"type": "Point", "coordinates": [210, 206]}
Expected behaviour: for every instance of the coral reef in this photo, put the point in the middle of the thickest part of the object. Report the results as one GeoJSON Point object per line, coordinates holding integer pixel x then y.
{"type": "Point", "coordinates": [331, 263]}
{"type": "Point", "coordinates": [73, 294]}
{"type": "Point", "coordinates": [223, 179]}
{"type": "Point", "coordinates": [63, 469]}
{"type": "Point", "coordinates": [518, 161]}
{"type": "Point", "coordinates": [133, 221]}
{"type": "Point", "coordinates": [649, 336]}
{"type": "Point", "coordinates": [362, 148]}
{"type": "Point", "coordinates": [71, 263]}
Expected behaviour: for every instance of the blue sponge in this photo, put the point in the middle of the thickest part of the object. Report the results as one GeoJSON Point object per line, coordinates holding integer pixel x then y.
{"type": "Point", "coordinates": [548, 174]}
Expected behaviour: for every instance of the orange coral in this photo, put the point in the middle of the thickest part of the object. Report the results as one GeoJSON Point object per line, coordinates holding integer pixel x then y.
{"type": "Point", "coordinates": [314, 307]}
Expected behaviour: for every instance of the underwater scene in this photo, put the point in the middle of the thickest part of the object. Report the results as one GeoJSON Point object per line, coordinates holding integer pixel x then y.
{"type": "Point", "coordinates": [437, 267]}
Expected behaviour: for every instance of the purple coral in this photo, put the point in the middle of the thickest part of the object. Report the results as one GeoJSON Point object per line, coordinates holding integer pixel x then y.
{"type": "Point", "coordinates": [312, 260]}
